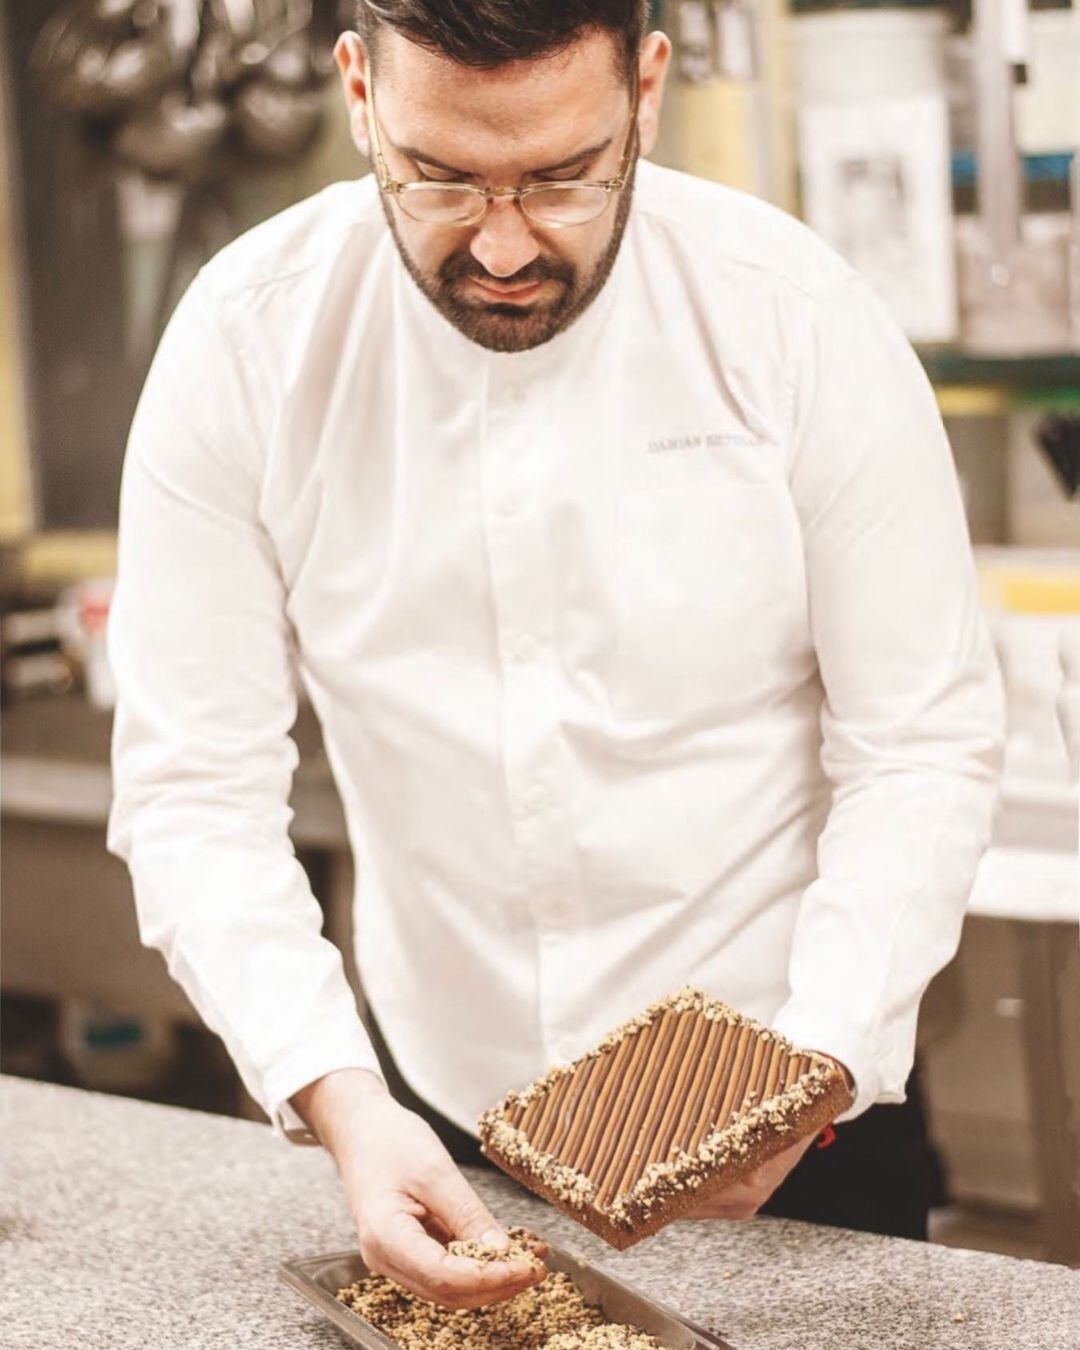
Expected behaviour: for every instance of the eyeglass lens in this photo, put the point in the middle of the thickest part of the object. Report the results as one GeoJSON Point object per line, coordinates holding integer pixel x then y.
{"type": "Point", "coordinates": [574, 204]}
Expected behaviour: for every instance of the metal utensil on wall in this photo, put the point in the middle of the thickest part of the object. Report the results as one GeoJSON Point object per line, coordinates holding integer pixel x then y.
{"type": "Point", "coordinates": [246, 37]}
{"type": "Point", "coordinates": [276, 121]}
{"type": "Point", "coordinates": [188, 89]}
{"type": "Point", "coordinates": [100, 57]}
{"type": "Point", "coordinates": [165, 151]}
{"type": "Point", "coordinates": [174, 65]}
{"type": "Point", "coordinates": [278, 107]}
{"type": "Point", "coordinates": [175, 135]}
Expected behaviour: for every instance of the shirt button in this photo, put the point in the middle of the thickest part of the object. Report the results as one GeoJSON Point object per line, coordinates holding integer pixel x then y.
{"type": "Point", "coordinates": [559, 911]}
{"type": "Point", "coordinates": [537, 797]}
{"type": "Point", "coordinates": [515, 393]}
{"type": "Point", "coordinates": [510, 506]}
{"type": "Point", "coordinates": [523, 648]}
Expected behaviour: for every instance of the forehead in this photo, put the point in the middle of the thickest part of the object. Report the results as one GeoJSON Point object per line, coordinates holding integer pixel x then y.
{"type": "Point", "coordinates": [523, 112]}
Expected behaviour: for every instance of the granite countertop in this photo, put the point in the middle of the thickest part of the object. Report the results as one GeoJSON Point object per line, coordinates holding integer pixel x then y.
{"type": "Point", "coordinates": [129, 1225]}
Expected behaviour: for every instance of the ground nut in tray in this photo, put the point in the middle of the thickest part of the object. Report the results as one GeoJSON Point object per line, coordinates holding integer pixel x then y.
{"type": "Point", "coordinates": [319, 1278]}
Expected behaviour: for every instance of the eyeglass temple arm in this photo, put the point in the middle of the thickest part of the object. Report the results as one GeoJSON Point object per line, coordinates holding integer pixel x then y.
{"type": "Point", "coordinates": [381, 170]}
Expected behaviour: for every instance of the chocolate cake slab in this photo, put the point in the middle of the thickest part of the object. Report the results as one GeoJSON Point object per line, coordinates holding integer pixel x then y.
{"type": "Point", "coordinates": [669, 1108]}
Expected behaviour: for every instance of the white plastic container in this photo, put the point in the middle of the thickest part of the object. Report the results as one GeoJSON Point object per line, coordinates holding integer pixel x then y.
{"type": "Point", "coordinates": [1031, 597]}
{"type": "Point", "coordinates": [1048, 105]}
{"type": "Point", "coordinates": [874, 154]}
{"type": "Point", "coordinates": [83, 615]}
{"type": "Point", "coordinates": [110, 1051]}
{"type": "Point", "coordinates": [1068, 700]}
{"type": "Point", "coordinates": [868, 53]}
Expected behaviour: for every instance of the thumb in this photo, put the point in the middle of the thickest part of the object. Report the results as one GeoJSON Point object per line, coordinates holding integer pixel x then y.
{"type": "Point", "coordinates": [450, 1197]}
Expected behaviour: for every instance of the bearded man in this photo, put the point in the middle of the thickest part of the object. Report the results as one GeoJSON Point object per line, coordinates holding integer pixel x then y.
{"type": "Point", "coordinates": [613, 529]}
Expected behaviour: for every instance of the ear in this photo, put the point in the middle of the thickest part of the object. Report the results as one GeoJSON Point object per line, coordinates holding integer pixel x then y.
{"type": "Point", "coordinates": [653, 62]}
{"type": "Point", "coordinates": [352, 64]}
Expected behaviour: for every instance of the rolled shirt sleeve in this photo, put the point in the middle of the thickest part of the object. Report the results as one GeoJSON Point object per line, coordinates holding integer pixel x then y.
{"type": "Point", "coordinates": [913, 719]}
{"type": "Point", "coordinates": [202, 758]}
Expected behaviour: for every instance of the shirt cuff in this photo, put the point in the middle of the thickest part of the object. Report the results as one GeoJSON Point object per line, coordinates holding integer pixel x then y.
{"type": "Point", "coordinates": [812, 1030]}
{"type": "Point", "coordinates": [295, 1072]}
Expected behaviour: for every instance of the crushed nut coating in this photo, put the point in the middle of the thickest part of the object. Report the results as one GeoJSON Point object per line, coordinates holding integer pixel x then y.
{"type": "Point", "coordinates": [520, 1248]}
{"type": "Point", "coordinates": [552, 1315]}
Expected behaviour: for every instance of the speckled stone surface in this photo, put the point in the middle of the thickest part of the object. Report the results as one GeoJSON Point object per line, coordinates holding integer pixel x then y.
{"type": "Point", "coordinates": [126, 1225]}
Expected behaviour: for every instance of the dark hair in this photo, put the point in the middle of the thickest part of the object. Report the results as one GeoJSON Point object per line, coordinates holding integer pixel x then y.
{"type": "Point", "coordinates": [489, 33]}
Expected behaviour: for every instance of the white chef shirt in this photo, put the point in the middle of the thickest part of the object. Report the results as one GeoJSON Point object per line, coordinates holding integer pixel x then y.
{"type": "Point", "coordinates": [648, 657]}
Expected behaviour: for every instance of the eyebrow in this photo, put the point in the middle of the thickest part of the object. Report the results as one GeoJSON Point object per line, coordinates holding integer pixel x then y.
{"type": "Point", "coordinates": [590, 152]}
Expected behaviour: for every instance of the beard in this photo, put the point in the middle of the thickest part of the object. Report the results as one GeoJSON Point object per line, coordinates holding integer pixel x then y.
{"type": "Point", "coordinates": [499, 325]}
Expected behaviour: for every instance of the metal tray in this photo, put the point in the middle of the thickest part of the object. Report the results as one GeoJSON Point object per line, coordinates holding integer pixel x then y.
{"type": "Point", "coordinates": [319, 1278]}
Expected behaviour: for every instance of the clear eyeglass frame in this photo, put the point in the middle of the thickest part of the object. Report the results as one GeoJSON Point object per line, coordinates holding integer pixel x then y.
{"type": "Point", "coordinates": [547, 204]}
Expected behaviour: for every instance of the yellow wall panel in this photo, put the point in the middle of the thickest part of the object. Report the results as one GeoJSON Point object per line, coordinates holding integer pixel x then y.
{"type": "Point", "coordinates": [15, 507]}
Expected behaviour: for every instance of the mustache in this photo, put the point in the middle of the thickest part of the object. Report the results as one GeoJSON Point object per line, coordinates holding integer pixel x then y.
{"type": "Point", "coordinates": [464, 267]}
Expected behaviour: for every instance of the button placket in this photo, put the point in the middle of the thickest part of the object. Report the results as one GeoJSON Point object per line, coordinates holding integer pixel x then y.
{"type": "Point", "coordinates": [516, 462]}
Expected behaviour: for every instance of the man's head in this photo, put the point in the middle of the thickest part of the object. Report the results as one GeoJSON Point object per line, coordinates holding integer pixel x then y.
{"type": "Point", "coordinates": [499, 94]}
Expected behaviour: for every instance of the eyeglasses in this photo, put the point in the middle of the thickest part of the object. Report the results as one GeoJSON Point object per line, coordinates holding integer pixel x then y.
{"type": "Point", "coordinates": [553, 205]}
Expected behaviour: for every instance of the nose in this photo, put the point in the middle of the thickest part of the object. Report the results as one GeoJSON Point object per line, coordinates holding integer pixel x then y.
{"type": "Point", "coordinates": [504, 243]}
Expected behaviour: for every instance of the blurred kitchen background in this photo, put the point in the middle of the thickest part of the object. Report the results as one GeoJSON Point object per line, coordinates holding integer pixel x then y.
{"type": "Point", "coordinates": [936, 145]}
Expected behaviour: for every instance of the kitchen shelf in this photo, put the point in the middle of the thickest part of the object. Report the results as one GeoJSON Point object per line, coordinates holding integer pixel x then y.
{"type": "Point", "coordinates": [954, 366]}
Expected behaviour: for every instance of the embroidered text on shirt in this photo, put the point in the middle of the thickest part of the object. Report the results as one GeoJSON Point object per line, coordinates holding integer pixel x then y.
{"type": "Point", "coordinates": [695, 442]}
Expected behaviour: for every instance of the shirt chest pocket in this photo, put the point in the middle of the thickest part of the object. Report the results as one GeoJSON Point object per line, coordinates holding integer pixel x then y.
{"type": "Point", "coordinates": [710, 596]}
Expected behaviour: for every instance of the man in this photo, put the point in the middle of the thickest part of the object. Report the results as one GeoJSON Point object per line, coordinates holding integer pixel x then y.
{"type": "Point", "coordinates": [615, 532]}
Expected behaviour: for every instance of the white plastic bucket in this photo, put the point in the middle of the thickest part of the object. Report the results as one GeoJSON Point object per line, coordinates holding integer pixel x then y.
{"type": "Point", "coordinates": [868, 53]}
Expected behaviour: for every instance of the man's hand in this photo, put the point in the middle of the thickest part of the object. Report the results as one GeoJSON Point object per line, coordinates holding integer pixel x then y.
{"type": "Point", "coordinates": [407, 1196]}
{"type": "Point", "coordinates": [743, 1199]}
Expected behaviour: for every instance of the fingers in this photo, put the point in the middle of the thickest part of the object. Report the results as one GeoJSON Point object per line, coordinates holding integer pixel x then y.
{"type": "Point", "coordinates": [536, 1244]}
{"type": "Point", "coordinates": [741, 1200]}
{"type": "Point", "coordinates": [446, 1297]}
{"type": "Point", "coordinates": [715, 1210]}
{"type": "Point", "coordinates": [405, 1238]}
{"type": "Point", "coordinates": [409, 1200]}
{"type": "Point", "coordinates": [736, 1202]}
{"type": "Point", "coordinates": [435, 1228]}
{"type": "Point", "coordinates": [395, 1244]}
{"type": "Point", "coordinates": [454, 1202]}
